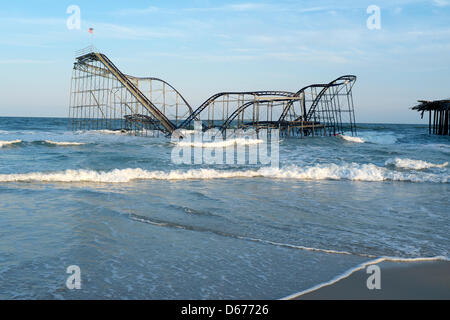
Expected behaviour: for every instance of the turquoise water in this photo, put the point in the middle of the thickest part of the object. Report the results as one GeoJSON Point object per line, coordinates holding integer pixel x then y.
{"type": "Point", "coordinates": [141, 227]}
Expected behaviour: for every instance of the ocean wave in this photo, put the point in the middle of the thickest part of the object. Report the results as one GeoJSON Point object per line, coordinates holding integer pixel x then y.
{"type": "Point", "coordinates": [250, 239]}
{"type": "Point", "coordinates": [123, 132]}
{"type": "Point", "coordinates": [413, 164]}
{"type": "Point", "coordinates": [8, 143]}
{"type": "Point", "coordinates": [220, 144]}
{"type": "Point", "coordinates": [64, 143]}
{"type": "Point", "coordinates": [167, 224]}
{"type": "Point", "coordinates": [352, 139]}
{"type": "Point", "coordinates": [353, 172]}
{"type": "Point", "coordinates": [379, 137]}
{"type": "Point", "coordinates": [445, 148]}
{"type": "Point", "coordinates": [186, 131]}
{"type": "Point", "coordinates": [105, 131]}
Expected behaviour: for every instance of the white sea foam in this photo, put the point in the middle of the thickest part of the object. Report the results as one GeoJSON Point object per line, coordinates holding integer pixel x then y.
{"type": "Point", "coordinates": [8, 143]}
{"type": "Point", "coordinates": [148, 133]}
{"type": "Point", "coordinates": [220, 144]}
{"type": "Point", "coordinates": [363, 266]}
{"type": "Point", "coordinates": [299, 247]}
{"type": "Point", "coordinates": [354, 172]}
{"type": "Point", "coordinates": [413, 164]}
{"type": "Point", "coordinates": [64, 143]}
{"type": "Point", "coordinates": [186, 131]}
{"type": "Point", "coordinates": [106, 131]}
{"type": "Point", "coordinates": [352, 139]}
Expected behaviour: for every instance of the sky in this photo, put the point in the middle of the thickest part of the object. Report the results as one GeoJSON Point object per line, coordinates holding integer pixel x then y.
{"type": "Point", "coordinates": [204, 47]}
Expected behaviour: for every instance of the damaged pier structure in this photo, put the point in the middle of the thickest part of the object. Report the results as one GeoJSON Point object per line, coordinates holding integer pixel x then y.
{"type": "Point", "coordinates": [438, 115]}
{"type": "Point", "coordinates": [104, 98]}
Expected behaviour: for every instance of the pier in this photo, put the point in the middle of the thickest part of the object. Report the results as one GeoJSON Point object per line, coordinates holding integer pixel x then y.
{"type": "Point", "coordinates": [438, 116]}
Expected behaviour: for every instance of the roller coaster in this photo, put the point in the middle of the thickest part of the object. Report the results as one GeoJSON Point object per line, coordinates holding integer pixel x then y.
{"type": "Point", "coordinates": [104, 98]}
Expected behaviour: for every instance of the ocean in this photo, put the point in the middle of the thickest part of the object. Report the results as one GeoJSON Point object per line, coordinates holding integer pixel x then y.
{"type": "Point", "coordinates": [140, 226]}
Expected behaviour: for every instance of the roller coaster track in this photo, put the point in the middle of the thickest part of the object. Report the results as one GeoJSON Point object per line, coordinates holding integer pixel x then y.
{"type": "Point", "coordinates": [102, 72]}
{"type": "Point", "coordinates": [167, 125]}
{"type": "Point", "coordinates": [298, 94]}
{"type": "Point", "coordinates": [339, 82]}
{"type": "Point", "coordinates": [239, 110]}
{"type": "Point", "coordinates": [104, 97]}
{"type": "Point", "coordinates": [204, 105]}
{"type": "Point", "coordinates": [166, 83]}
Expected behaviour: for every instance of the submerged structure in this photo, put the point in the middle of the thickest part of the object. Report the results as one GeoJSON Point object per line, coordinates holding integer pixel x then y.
{"type": "Point", "coordinates": [102, 97]}
{"type": "Point", "coordinates": [438, 115]}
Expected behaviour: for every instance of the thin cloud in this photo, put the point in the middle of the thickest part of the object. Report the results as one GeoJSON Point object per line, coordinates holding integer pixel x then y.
{"type": "Point", "coordinates": [24, 61]}
{"type": "Point", "coordinates": [441, 3]}
{"type": "Point", "coordinates": [137, 11]}
{"type": "Point", "coordinates": [244, 6]}
{"type": "Point", "coordinates": [253, 6]}
{"type": "Point", "coordinates": [314, 9]}
{"type": "Point", "coordinates": [34, 21]}
{"type": "Point", "coordinates": [109, 30]}
{"type": "Point", "coordinates": [236, 7]}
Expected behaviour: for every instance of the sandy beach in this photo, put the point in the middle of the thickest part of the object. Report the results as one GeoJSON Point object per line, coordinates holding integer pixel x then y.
{"type": "Point", "coordinates": [399, 280]}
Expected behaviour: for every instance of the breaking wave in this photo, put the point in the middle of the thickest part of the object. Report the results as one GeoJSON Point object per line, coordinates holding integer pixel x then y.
{"type": "Point", "coordinates": [8, 143]}
{"type": "Point", "coordinates": [378, 137]}
{"type": "Point", "coordinates": [104, 131]}
{"type": "Point", "coordinates": [352, 139]}
{"type": "Point", "coordinates": [122, 132]}
{"type": "Point", "coordinates": [353, 172]}
{"type": "Point", "coordinates": [413, 164]}
{"type": "Point", "coordinates": [220, 144]}
{"type": "Point", "coordinates": [64, 143]}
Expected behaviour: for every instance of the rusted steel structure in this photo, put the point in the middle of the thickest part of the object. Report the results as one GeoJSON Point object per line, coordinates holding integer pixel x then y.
{"type": "Point", "coordinates": [438, 115]}
{"type": "Point", "coordinates": [102, 97]}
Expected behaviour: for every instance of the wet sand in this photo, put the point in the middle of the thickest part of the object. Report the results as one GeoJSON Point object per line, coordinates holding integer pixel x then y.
{"type": "Point", "coordinates": [399, 280]}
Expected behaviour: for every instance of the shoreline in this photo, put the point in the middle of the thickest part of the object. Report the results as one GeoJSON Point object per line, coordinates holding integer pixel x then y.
{"type": "Point", "coordinates": [400, 279]}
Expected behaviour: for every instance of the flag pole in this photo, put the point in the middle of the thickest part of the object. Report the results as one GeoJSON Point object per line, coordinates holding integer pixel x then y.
{"type": "Point", "coordinates": [91, 31]}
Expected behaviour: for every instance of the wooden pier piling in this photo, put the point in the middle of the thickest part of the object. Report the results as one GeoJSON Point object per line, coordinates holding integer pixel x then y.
{"type": "Point", "coordinates": [438, 118]}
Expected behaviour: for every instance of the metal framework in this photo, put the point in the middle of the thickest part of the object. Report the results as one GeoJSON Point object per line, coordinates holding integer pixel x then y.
{"type": "Point", "coordinates": [102, 97]}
